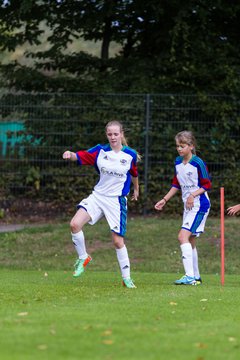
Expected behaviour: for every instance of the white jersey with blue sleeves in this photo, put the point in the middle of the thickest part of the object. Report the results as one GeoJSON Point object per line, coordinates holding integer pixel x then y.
{"type": "Point", "coordinates": [190, 177]}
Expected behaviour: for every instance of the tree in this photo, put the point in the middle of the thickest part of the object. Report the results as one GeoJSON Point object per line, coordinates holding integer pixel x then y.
{"type": "Point", "coordinates": [166, 46]}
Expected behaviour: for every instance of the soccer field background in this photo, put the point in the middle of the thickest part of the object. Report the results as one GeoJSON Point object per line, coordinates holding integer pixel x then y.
{"type": "Point", "coordinates": [47, 314]}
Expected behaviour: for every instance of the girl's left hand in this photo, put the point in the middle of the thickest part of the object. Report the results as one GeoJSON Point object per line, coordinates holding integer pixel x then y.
{"type": "Point", "coordinates": [135, 195]}
{"type": "Point", "coordinates": [190, 202]}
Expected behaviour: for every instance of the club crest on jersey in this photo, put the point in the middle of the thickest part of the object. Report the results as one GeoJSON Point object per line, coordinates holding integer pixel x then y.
{"type": "Point", "coordinates": [189, 173]}
{"type": "Point", "coordinates": [123, 162]}
{"type": "Point", "coordinates": [105, 157]}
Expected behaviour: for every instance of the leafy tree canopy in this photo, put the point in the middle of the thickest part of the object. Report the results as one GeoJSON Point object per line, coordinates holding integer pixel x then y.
{"type": "Point", "coordinates": [165, 46]}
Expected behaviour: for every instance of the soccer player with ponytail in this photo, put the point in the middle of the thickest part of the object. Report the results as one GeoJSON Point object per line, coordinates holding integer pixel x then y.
{"type": "Point", "coordinates": [192, 178]}
{"type": "Point", "coordinates": [116, 164]}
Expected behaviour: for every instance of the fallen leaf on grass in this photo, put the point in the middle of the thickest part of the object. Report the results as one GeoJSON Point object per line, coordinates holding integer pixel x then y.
{"type": "Point", "coordinates": [53, 331]}
{"type": "Point", "coordinates": [107, 333]}
{"type": "Point", "coordinates": [201, 345]}
{"type": "Point", "coordinates": [173, 303]}
{"type": "Point", "coordinates": [23, 314]}
{"type": "Point", "coordinates": [204, 300]}
{"type": "Point", "coordinates": [42, 347]}
{"type": "Point", "coordinates": [107, 342]}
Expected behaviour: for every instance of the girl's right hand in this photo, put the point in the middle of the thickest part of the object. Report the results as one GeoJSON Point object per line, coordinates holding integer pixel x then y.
{"type": "Point", "coordinates": [67, 155]}
{"type": "Point", "coordinates": [160, 204]}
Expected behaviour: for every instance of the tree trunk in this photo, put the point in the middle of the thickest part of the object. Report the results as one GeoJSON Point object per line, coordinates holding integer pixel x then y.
{"type": "Point", "coordinates": [107, 32]}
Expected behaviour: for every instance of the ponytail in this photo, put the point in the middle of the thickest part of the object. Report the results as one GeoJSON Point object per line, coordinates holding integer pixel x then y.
{"type": "Point", "coordinates": [124, 141]}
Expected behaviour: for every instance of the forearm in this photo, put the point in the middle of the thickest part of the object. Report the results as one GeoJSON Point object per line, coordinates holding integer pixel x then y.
{"type": "Point", "coordinates": [198, 192]}
{"type": "Point", "coordinates": [170, 194]}
{"type": "Point", "coordinates": [135, 183]}
{"type": "Point", "coordinates": [135, 188]}
{"type": "Point", "coordinates": [161, 203]}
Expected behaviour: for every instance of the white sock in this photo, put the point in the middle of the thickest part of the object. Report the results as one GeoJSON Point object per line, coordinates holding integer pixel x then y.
{"type": "Point", "coordinates": [195, 263]}
{"type": "Point", "coordinates": [123, 260]}
{"type": "Point", "coordinates": [187, 259]}
{"type": "Point", "coordinates": [79, 243]}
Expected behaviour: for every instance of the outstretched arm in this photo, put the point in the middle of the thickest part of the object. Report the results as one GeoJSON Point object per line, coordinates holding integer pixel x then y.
{"type": "Point", "coordinates": [232, 210]}
{"type": "Point", "coordinates": [135, 188]}
{"type": "Point", "coordinates": [69, 155]}
{"type": "Point", "coordinates": [161, 203]}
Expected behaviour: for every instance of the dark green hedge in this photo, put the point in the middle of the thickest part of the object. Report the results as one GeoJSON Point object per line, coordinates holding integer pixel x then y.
{"type": "Point", "coordinates": [34, 168]}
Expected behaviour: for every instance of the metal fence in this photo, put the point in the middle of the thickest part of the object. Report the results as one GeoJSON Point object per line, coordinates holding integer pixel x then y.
{"type": "Point", "coordinates": [35, 129]}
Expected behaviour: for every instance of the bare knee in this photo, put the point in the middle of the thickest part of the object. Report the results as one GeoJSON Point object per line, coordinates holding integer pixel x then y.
{"type": "Point", "coordinates": [183, 236]}
{"type": "Point", "coordinates": [118, 240]}
{"type": "Point", "coordinates": [79, 220]}
{"type": "Point", "coordinates": [180, 237]}
{"type": "Point", "coordinates": [75, 227]}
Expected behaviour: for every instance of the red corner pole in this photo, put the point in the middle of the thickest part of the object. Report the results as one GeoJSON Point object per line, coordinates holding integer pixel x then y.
{"type": "Point", "coordinates": [222, 234]}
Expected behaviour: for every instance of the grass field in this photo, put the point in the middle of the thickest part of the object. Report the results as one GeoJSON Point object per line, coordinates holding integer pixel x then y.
{"type": "Point", "coordinates": [47, 314]}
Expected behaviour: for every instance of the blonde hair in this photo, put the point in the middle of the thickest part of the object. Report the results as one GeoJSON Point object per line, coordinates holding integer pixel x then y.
{"type": "Point", "coordinates": [187, 137]}
{"type": "Point", "coordinates": [124, 140]}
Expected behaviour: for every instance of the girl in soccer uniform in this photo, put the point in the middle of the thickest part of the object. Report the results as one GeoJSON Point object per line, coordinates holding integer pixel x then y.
{"type": "Point", "coordinates": [192, 178]}
{"type": "Point", "coordinates": [116, 164]}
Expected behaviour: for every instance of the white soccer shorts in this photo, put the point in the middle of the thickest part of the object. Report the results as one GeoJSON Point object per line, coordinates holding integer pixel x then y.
{"type": "Point", "coordinates": [194, 221]}
{"type": "Point", "coordinates": [114, 208]}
